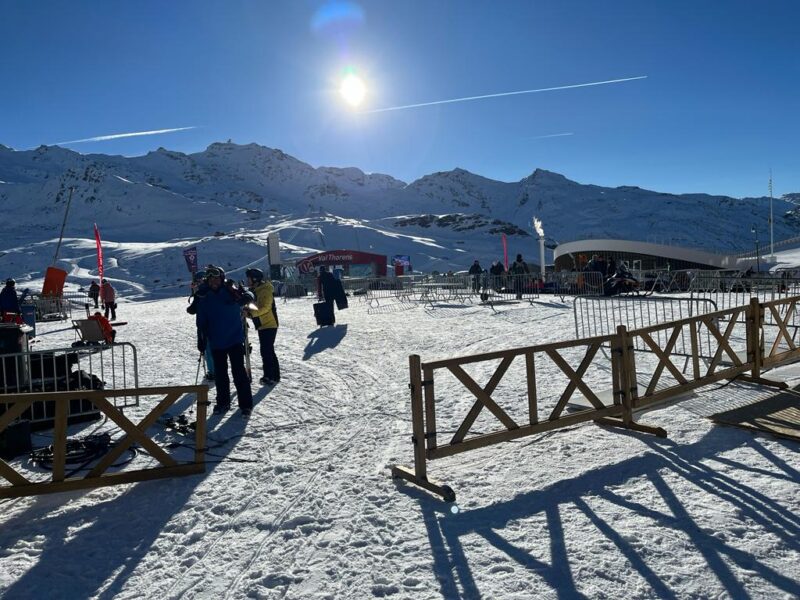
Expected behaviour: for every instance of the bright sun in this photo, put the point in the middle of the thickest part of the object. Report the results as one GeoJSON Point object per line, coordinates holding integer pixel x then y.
{"type": "Point", "coordinates": [352, 90]}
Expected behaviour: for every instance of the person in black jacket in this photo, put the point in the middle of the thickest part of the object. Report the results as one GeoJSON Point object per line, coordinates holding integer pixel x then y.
{"type": "Point", "coordinates": [202, 342]}
{"type": "Point", "coordinates": [9, 303]}
{"type": "Point", "coordinates": [475, 270]}
{"type": "Point", "coordinates": [519, 271]}
{"type": "Point", "coordinates": [497, 271]}
{"type": "Point", "coordinates": [329, 288]}
{"type": "Point", "coordinates": [94, 293]}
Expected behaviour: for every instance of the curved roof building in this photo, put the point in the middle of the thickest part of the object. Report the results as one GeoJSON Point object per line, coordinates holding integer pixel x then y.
{"type": "Point", "coordinates": [646, 256]}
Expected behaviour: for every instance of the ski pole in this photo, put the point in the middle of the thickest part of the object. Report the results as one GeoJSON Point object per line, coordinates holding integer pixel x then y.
{"type": "Point", "coordinates": [247, 346]}
{"type": "Point", "coordinates": [197, 376]}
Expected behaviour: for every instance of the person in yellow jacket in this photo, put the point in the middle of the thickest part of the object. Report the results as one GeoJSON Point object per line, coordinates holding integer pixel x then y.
{"type": "Point", "coordinates": [265, 321]}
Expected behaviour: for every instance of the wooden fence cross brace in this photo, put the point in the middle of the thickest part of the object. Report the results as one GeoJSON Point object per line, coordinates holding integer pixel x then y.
{"type": "Point", "coordinates": [136, 433]}
{"type": "Point", "coordinates": [783, 331]}
{"type": "Point", "coordinates": [482, 394]}
{"type": "Point", "coordinates": [6, 470]}
{"type": "Point", "coordinates": [722, 340]}
{"type": "Point", "coordinates": [663, 357]}
{"type": "Point", "coordinates": [575, 379]}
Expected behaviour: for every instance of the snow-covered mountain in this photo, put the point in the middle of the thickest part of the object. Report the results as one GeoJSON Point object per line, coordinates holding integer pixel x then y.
{"type": "Point", "coordinates": [227, 198]}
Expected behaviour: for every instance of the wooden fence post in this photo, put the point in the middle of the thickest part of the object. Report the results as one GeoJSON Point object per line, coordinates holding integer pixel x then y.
{"type": "Point", "coordinates": [629, 392]}
{"type": "Point", "coordinates": [417, 416]}
{"type": "Point", "coordinates": [420, 474]}
{"type": "Point", "coordinates": [627, 374]}
{"type": "Point", "coordinates": [754, 349]}
{"type": "Point", "coordinates": [430, 409]}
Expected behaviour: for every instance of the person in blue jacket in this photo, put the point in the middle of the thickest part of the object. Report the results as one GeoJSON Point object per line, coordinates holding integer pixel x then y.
{"type": "Point", "coordinates": [219, 318]}
{"type": "Point", "coordinates": [9, 303]}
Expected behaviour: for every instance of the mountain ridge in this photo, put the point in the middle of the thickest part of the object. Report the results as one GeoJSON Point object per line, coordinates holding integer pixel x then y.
{"type": "Point", "coordinates": [444, 219]}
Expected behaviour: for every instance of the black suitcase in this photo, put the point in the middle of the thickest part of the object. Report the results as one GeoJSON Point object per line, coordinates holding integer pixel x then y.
{"type": "Point", "coordinates": [323, 313]}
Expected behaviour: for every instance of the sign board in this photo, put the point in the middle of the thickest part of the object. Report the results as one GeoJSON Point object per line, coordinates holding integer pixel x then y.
{"type": "Point", "coordinates": [274, 249]}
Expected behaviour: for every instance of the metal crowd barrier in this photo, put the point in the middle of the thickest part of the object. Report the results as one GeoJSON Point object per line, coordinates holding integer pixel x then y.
{"type": "Point", "coordinates": [573, 283]}
{"type": "Point", "coordinates": [601, 317]}
{"type": "Point", "coordinates": [90, 367]}
{"type": "Point", "coordinates": [735, 290]}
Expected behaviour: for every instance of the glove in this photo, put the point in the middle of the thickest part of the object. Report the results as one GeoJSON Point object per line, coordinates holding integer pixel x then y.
{"type": "Point", "coordinates": [201, 343]}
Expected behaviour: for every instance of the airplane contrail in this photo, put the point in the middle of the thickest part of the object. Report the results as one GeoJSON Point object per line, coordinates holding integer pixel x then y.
{"type": "Point", "coordinates": [116, 136]}
{"type": "Point", "coordinates": [550, 135]}
{"type": "Point", "coordinates": [483, 97]}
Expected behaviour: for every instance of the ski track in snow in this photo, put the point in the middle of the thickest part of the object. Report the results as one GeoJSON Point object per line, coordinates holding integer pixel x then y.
{"type": "Point", "coordinates": [578, 512]}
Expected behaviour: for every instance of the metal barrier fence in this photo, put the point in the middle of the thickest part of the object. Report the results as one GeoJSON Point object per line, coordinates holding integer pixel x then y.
{"type": "Point", "coordinates": [573, 283]}
{"type": "Point", "coordinates": [58, 308]}
{"type": "Point", "coordinates": [601, 317]}
{"type": "Point", "coordinates": [551, 374]}
{"type": "Point", "coordinates": [95, 367]}
{"type": "Point", "coordinates": [734, 290]}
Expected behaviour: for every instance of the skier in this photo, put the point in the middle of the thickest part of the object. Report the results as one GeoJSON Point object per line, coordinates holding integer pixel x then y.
{"type": "Point", "coordinates": [265, 321]}
{"type": "Point", "coordinates": [519, 269]}
{"type": "Point", "coordinates": [219, 317]}
{"type": "Point", "coordinates": [475, 271]}
{"type": "Point", "coordinates": [202, 343]}
{"type": "Point", "coordinates": [109, 297]}
{"type": "Point", "coordinates": [94, 293]}
{"type": "Point", "coordinates": [9, 303]}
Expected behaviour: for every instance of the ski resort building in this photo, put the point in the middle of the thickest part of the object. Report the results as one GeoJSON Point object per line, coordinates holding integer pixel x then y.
{"type": "Point", "coordinates": [647, 256]}
{"type": "Point", "coordinates": [354, 263]}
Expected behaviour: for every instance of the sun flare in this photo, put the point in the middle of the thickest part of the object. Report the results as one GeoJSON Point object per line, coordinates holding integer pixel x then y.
{"type": "Point", "coordinates": [353, 90]}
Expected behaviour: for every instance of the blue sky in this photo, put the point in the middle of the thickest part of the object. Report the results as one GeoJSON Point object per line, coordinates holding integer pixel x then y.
{"type": "Point", "coordinates": [718, 109]}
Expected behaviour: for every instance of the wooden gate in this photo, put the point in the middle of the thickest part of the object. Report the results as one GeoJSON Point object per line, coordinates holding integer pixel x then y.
{"type": "Point", "coordinates": [743, 340]}
{"type": "Point", "coordinates": [134, 433]}
{"type": "Point", "coordinates": [614, 407]}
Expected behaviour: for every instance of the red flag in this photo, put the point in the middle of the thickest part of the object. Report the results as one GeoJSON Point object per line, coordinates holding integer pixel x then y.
{"type": "Point", "coordinates": [99, 252]}
{"type": "Point", "coordinates": [505, 252]}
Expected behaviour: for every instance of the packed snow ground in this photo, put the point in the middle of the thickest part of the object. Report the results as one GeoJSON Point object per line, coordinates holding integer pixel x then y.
{"type": "Point", "coordinates": [711, 512]}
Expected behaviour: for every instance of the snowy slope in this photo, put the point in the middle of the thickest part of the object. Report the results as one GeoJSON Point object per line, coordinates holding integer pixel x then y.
{"type": "Point", "coordinates": [310, 511]}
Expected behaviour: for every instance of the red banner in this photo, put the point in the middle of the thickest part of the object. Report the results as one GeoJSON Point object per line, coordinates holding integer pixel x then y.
{"type": "Point", "coordinates": [505, 252]}
{"type": "Point", "coordinates": [99, 252]}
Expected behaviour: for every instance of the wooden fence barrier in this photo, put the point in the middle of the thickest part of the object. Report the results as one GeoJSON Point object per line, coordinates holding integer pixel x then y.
{"type": "Point", "coordinates": [97, 476]}
{"type": "Point", "coordinates": [639, 359]}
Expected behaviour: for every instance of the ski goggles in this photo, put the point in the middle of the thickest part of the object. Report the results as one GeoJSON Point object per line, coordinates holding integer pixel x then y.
{"type": "Point", "coordinates": [213, 272]}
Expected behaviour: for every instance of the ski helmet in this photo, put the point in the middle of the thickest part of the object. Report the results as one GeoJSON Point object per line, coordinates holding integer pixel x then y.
{"type": "Point", "coordinates": [10, 281]}
{"type": "Point", "coordinates": [213, 271]}
{"type": "Point", "coordinates": [255, 274]}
